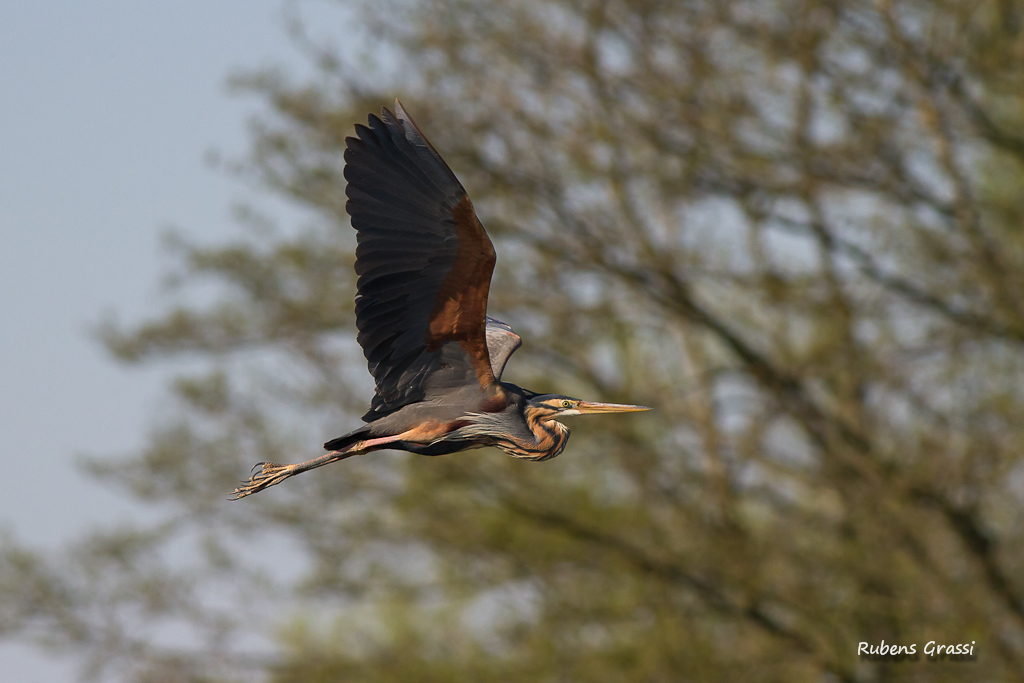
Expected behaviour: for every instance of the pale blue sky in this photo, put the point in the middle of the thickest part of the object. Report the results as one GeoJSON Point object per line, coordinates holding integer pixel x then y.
{"type": "Point", "coordinates": [107, 109]}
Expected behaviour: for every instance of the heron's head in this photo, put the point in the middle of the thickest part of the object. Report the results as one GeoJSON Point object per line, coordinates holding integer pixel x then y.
{"type": "Point", "coordinates": [549, 406]}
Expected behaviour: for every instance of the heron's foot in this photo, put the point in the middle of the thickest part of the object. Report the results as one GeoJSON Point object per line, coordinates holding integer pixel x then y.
{"type": "Point", "coordinates": [269, 474]}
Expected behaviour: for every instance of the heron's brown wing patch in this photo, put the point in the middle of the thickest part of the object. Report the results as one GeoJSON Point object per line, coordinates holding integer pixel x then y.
{"type": "Point", "coordinates": [424, 264]}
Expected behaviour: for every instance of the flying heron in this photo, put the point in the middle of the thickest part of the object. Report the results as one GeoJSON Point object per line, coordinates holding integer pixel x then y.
{"type": "Point", "coordinates": [424, 264]}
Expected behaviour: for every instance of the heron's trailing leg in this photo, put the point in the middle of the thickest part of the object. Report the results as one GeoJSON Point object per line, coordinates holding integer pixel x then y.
{"type": "Point", "coordinates": [271, 473]}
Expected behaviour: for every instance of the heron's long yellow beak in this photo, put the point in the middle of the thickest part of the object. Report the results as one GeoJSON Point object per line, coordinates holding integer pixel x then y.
{"type": "Point", "coordinates": [586, 407]}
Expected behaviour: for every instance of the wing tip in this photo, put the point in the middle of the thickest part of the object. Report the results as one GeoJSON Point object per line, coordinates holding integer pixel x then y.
{"type": "Point", "coordinates": [405, 123]}
{"type": "Point", "coordinates": [401, 112]}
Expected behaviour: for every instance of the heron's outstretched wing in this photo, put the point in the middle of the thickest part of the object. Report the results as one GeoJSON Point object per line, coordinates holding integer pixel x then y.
{"type": "Point", "coordinates": [502, 341]}
{"type": "Point", "coordinates": [424, 264]}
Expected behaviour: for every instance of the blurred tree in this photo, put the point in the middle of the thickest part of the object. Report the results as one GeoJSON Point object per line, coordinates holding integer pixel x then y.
{"type": "Point", "coordinates": [792, 226]}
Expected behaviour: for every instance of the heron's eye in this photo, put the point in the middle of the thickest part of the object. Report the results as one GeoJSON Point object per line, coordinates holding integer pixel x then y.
{"type": "Point", "coordinates": [566, 404]}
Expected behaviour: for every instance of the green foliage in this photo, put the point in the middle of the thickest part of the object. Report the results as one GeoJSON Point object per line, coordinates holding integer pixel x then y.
{"type": "Point", "coordinates": [792, 227]}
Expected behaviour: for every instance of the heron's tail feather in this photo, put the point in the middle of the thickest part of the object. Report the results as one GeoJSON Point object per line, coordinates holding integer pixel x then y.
{"type": "Point", "coordinates": [352, 438]}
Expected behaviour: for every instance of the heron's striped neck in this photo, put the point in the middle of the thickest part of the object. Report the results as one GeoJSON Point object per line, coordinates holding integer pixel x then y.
{"type": "Point", "coordinates": [549, 438]}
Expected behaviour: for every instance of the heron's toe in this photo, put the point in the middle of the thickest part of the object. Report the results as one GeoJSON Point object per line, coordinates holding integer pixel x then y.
{"type": "Point", "coordinates": [269, 474]}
